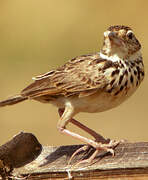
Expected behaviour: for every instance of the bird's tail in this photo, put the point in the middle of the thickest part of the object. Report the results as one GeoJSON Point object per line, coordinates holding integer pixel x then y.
{"type": "Point", "coordinates": [12, 100]}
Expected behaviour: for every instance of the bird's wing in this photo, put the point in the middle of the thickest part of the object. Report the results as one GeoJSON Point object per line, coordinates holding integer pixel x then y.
{"type": "Point", "coordinates": [82, 75]}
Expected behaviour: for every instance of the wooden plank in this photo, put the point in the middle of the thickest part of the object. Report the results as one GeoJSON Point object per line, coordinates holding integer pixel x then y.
{"type": "Point", "coordinates": [130, 162]}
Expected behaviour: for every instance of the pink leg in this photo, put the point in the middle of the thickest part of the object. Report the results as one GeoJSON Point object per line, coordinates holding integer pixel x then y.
{"type": "Point", "coordinates": [103, 144]}
{"type": "Point", "coordinates": [97, 136]}
{"type": "Point", "coordinates": [94, 144]}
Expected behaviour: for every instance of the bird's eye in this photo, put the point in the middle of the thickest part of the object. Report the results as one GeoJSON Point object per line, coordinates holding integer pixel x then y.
{"type": "Point", "coordinates": [130, 35]}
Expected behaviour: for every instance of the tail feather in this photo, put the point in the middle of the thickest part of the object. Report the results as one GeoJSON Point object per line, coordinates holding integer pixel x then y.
{"type": "Point", "coordinates": [12, 100]}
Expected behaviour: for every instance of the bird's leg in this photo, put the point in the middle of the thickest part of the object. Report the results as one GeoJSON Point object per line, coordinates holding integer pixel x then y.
{"type": "Point", "coordinates": [64, 120]}
{"type": "Point", "coordinates": [98, 137]}
{"type": "Point", "coordinates": [66, 117]}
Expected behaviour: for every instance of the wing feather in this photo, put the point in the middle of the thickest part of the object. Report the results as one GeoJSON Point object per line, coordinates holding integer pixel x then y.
{"type": "Point", "coordinates": [83, 75]}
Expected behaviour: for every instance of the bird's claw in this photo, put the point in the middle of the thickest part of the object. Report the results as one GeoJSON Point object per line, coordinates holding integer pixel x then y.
{"type": "Point", "coordinates": [109, 147]}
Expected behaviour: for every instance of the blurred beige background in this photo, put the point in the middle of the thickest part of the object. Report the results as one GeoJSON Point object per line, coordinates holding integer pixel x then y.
{"type": "Point", "coordinates": [37, 35]}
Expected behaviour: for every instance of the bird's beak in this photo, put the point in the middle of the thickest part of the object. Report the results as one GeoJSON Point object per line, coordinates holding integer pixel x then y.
{"type": "Point", "coordinates": [114, 39]}
{"type": "Point", "coordinates": [112, 35]}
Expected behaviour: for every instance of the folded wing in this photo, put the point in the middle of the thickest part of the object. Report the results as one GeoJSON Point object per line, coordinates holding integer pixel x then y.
{"type": "Point", "coordinates": [83, 75]}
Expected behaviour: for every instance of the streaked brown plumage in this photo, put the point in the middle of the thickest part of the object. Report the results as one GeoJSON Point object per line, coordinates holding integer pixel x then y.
{"type": "Point", "coordinates": [91, 83]}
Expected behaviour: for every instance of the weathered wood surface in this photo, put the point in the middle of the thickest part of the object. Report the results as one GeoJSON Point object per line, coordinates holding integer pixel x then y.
{"type": "Point", "coordinates": [130, 162]}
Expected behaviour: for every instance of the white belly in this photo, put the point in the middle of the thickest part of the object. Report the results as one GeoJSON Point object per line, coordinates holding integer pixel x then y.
{"type": "Point", "coordinates": [98, 102]}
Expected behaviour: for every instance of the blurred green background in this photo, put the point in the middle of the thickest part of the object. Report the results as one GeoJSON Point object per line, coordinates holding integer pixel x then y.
{"type": "Point", "coordinates": [37, 36]}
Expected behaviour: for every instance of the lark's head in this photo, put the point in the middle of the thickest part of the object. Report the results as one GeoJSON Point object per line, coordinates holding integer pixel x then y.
{"type": "Point", "coordinates": [120, 41]}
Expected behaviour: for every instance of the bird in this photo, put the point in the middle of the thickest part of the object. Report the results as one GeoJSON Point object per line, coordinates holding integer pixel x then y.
{"type": "Point", "coordinates": [90, 83]}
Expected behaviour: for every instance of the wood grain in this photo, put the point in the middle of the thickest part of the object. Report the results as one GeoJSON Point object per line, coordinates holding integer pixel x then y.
{"type": "Point", "coordinates": [130, 162]}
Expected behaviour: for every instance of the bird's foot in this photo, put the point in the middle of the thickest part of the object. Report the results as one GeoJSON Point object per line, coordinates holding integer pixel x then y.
{"type": "Point", "coordinates": [107, 147]}
{"type": "Point", "coordinates": [83, 148]}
